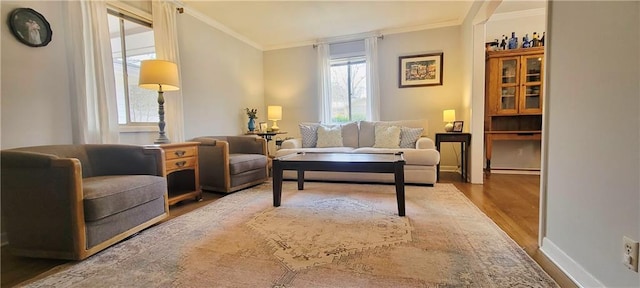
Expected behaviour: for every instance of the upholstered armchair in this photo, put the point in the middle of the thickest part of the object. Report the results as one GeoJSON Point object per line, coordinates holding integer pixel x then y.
{"type": "Point", "coordinates": [230, 163]}
{"type": "Point", "coordinates": [72, 201]}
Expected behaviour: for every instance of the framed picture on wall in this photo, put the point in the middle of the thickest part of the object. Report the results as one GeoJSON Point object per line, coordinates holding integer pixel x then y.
{"type": "Point", "coordinates": [457, 126]}
{"type": "Point", "coordinates": [420, 70]}
{"type": "Point", "coordinates": [30, 27]}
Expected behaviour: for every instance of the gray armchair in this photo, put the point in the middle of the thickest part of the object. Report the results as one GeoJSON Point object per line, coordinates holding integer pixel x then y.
{"type": "Point", "coordinates": [72, 201]}
{"type": "Point", "coordinates": [230, 163]}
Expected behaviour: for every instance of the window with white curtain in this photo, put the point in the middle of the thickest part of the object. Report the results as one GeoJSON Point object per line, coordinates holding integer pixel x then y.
{"type": "Point", "coordinates": [131, 42]}
{"type": "Point", "coordinates": [348, 82]}
{"type": "Point", "coordinates": [348, 89]}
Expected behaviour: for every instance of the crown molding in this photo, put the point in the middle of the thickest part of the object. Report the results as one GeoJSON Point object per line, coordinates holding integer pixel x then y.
{"type": "Point", "coordinates": [518, 14]}
{"type": "Point", "coordinates": [221, 27]}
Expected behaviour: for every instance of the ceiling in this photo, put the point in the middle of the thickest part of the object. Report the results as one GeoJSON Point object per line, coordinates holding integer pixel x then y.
{"type": "Point", "coordinates": [269, 25]}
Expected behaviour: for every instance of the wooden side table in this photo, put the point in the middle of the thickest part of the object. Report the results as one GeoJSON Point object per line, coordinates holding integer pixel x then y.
{"type": "Point", "coordinates": [465, 142]}
{"type": "Point", "coordinates": [182, 171]}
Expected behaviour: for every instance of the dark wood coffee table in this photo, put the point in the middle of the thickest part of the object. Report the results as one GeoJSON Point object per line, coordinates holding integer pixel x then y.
{"type": "Point", "coordinates": [339, 162]}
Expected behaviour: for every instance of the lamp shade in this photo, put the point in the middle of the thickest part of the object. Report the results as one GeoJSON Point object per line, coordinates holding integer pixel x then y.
{"type": "Point", "coordinates": [449, 115]}
{"type": "Point", "coordinates": [157, 74]}
{"type": "Point", "coordinates": [274, 112]}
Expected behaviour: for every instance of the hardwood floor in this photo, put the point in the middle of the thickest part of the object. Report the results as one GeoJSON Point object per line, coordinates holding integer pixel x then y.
{"type": "Point", "coordinates": [511, 201]}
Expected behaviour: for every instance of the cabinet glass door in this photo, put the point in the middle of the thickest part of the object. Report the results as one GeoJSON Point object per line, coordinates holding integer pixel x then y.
{"type": "Point", "coordinates": [531, 99]}
{"type": "Point", "coordinates": [509, 75]}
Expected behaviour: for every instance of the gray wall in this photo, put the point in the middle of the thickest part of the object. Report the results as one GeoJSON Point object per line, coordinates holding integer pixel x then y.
{"type": "Point", "coordinates": [593, 139]}
{"type": "Point", "coordinates": [36, 107]}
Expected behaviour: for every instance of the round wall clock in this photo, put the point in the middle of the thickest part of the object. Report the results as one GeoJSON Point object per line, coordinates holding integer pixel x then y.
{"type": "Point", "coordinates": [30, 27]}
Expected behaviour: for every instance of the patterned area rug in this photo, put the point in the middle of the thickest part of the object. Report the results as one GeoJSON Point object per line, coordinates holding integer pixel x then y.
{"type": "Point", "coordinates": [329, 235]}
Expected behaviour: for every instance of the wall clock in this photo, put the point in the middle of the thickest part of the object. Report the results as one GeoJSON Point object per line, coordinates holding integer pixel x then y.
{"type": "Point", "coordinates": [30, 27]}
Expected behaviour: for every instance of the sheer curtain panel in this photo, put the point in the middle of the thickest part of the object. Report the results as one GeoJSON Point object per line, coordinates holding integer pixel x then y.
{"type": "Point", "coordinates": [373, 88]}
{"type": "Point", "coordinates": [324, 82]}
{"type": "Point", "coordinates": [93, 99]}
{"type": "Point", "coordinates": [166, 41]}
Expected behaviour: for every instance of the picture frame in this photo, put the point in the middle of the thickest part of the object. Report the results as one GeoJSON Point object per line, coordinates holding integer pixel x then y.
{"type": "Point", "coordinates": [30, 27]}
{"type": "Point", "coordinates": [420, 70]}
{"type": "Point", "coordinates": [262, 126]}
{"type": "Point", "coordinates": [457, 126]}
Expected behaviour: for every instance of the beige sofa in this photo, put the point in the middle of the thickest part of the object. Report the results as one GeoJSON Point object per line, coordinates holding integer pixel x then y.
{"type": "Point", "coordinates": [420, 155]}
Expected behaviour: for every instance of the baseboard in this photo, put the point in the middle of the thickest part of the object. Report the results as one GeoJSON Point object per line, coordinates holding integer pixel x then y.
{"type": "Point", "coordinates": [3, 239]}
{"type": "Point", "coordinates": [518, 172]}
{"type": "Point", "coordinates": [573, 270]}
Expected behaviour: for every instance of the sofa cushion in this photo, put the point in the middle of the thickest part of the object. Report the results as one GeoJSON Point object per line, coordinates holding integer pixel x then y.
{"type": "Point", "coordinates": [409, 137]}
{"type": "Point", "coordinates": [239, 163]}
{"type": "Point", "coordinates": [387, 137]}
{"type": "Point", "coordinates": [309, 134]}
{"type": "Point", "coordinates": [107, 195]}
{"type": "Point", "coordinates": [350, 134]}
{"type": "Point", "coordinates": [329, 136]}
{"type": "Point", "coordinates": [421, 157]}
{"type": "Point", "coordinates": [366, 136]}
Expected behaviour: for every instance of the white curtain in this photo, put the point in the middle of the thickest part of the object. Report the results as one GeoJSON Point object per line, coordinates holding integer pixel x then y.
{"type": "Point", "coordinates": [373, 88]}
{"type": "Point", "coordinates": [324, 82]}
{"type": "Point", "coordinates": [166, 41]}
{"type": "Point", "coordinates": [93, 100]}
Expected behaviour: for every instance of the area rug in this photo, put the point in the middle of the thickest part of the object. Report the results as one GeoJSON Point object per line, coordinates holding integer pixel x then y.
{"type": "Point", "coordinates": [328, 235]}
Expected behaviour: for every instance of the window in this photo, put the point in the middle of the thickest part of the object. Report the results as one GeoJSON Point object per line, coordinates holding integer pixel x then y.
{"type": "Point", "coordinates": [131, 42]}
{"type": "Point", "coordinates": [348, 89]}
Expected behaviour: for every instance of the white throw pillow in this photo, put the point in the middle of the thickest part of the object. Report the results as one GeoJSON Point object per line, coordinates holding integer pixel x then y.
{"type": "Point", "coordinates": [409, 137]}
{"type": "Point", "coordinates": [387, 137]}
{"type": "Point", "coordinates": [329, 136]}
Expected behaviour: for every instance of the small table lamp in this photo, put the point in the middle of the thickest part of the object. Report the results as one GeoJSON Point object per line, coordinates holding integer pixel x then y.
{"type": "Point", "coordinates": [159, 75]}
{"type": "Point", "coordinates": [274, 113]}
{"type": "Point", "coordinates": [448, 116]}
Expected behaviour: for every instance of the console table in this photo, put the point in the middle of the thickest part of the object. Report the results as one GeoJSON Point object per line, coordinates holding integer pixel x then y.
{"type": "Point", "coordinates": [465, 142]}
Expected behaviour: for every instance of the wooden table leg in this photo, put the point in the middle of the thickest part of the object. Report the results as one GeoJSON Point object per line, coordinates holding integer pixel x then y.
{"type": "Point", "coordinates": [277, 183]}
{"type": "Point", "coordinates": [399, 177]}
{"type": "Point", "coordinates": [300, 179]}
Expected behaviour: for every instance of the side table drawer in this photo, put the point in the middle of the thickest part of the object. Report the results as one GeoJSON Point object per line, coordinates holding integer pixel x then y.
{"type": "Point", "coordinates": [180, 163]}
{"type": "Point", "coordinates": [179, 152]}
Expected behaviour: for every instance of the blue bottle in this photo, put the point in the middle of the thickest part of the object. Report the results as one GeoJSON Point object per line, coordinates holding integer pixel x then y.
{"type": "Point", "coordinates": [513, 41]}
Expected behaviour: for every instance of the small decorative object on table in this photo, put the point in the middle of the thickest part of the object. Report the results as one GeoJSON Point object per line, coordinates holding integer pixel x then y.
{"type": "Point", "coordinates": [457, 126]}
{"type": "Point", "coordinates": [252, 113]}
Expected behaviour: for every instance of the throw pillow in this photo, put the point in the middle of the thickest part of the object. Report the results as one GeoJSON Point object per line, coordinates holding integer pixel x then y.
{"type": "Point", "coordinates": [329, 136]}
{"type": "Point", "coordinates": [309, 133]}
{"type": "Point", "coordinates": [387, 136]}
{"type": "Point", "coordinates": [409, 137]}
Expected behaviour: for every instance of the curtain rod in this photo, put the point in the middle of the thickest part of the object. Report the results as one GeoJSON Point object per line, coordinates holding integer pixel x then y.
{"type": "Point", "coordinates": [345, 41]}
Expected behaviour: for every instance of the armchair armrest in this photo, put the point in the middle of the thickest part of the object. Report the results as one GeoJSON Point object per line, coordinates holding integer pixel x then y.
{"type": "Point", "coordinates": [52, 186]}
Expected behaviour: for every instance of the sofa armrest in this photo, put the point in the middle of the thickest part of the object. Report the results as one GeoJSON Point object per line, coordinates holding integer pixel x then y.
{"type": "Point", "coordinates": [42, 196]}
{"type": "Point", "coordinates": [291, 143]}
{"type": "Point", "coordinates": [120, 159]}
{"type": "Point", "coordinates": [425, 143]}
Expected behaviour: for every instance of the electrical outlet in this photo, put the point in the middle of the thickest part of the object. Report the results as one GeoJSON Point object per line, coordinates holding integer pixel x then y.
{"type": "Point", "coordinates": [630, 253]}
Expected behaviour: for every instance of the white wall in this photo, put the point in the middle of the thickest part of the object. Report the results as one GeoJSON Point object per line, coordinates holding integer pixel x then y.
{"type": "Point", "coordinates": [35, 83]}
{"type": "Point", "coordinates": [290, 80]}
{"type": "Point", "coordinates": [516, 154]}
{"type": "Point", "coordinates": [221, 76]}
{"type": "Point", "coordinates": [593, 143]}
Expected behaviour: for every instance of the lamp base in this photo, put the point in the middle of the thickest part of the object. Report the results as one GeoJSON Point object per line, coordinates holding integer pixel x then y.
{"type": "Point", "coordinates": [448, 127]}
{"type": "Point", "coordinates": [162, 140]}
{"type": "Point", "coordinates": [274, 127]}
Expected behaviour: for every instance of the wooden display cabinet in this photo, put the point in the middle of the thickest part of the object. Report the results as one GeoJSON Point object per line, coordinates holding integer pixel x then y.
{"type": "Point", "coordinates": [513, 96]}
{"type": "Point", "coordinates": [182, 171]}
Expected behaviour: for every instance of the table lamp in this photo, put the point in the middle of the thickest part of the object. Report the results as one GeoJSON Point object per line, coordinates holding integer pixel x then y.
{"type": "Point", "coordinates": [274, 113]}
{"type": "Point", "coordinates": [159, 75]}
{"type": "Point", "coordinates": [449, 116]}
